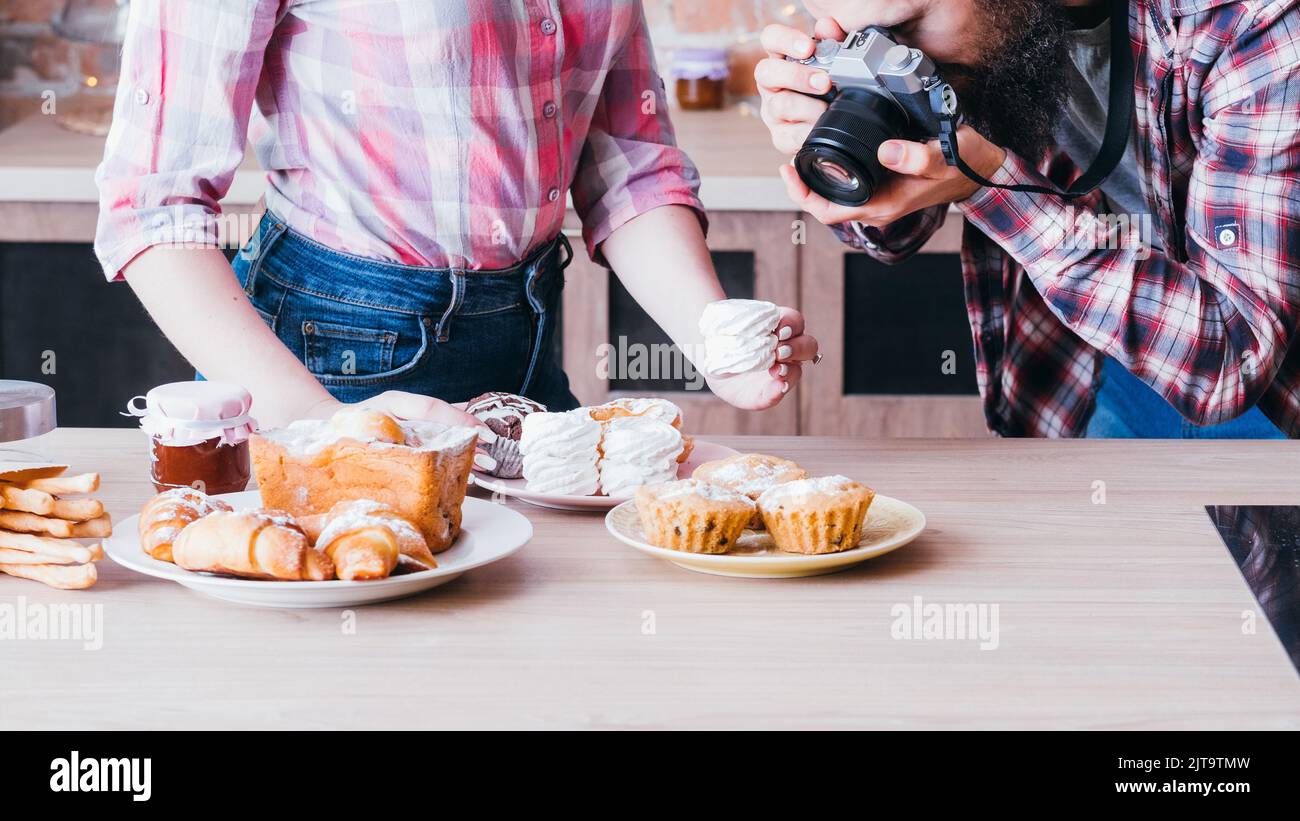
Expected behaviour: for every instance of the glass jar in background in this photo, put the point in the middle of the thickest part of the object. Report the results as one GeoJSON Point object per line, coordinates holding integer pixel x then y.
{"type": "Point", "coordinates": [198, 435]}
{"type": "Point", "coordinates": [27, 417]}
{"type": "Point", "coordinates": [701, 78]}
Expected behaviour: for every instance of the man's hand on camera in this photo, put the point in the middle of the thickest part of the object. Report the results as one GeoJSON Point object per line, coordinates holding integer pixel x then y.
{"type": "Point", "coordinates": [920, 178]}
{"type": "Point", "coordinates": [785, 86]}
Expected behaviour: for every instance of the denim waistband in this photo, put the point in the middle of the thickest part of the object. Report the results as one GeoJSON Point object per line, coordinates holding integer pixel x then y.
{"type": "Point", "coordinates": [316, 268]}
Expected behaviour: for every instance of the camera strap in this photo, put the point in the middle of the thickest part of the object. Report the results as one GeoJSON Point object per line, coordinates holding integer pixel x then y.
{"type": "Point", "coordinates": [1119, 121]}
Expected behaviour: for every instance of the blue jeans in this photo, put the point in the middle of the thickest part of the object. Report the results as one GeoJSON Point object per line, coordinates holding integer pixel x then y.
{"type": "Point", "coordinates": [1127, 408]}
{"type": "Point", "coordinates": [364, 326]}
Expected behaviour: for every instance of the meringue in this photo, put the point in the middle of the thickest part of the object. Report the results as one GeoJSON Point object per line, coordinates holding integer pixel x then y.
{"type": "Point", "coordinates": [739, 335]}
{"type": "Point", "coordinates": [560, 452]}
{"type": "Point", "coordinates": [638, 451]}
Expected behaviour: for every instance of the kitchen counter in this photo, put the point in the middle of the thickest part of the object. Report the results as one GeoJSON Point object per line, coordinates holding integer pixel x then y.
{"type": "Point", "coordinates": [1118, 605]}
{"type": "Point", "coordinates": [43, 163]}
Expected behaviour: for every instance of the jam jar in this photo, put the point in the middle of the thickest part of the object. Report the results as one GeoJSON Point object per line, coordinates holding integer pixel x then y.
{"type": "Point", "coordinates": [701, 78]}
{"type": "Point", "coordinates": [198, 435]}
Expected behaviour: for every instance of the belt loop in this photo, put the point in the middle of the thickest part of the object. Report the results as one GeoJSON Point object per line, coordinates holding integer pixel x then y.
{"type": "Point", "coordinates": [457, 296]}
{"type": "Point", "coordinates": [568, 252]}
{"type": "Point", "coordinates": [269, 229]}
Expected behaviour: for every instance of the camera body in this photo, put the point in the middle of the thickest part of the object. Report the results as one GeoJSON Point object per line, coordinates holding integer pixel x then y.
{"type": "Point", "coordinates": [880, 90]}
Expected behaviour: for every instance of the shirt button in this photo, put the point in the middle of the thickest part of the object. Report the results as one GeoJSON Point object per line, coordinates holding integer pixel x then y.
{"type": "Point", "coordinates": [553, 194]}
{"type": "Point", "coordinates": [548, 27]}
{"type": "Point", "coordinates": [141, 97]}
{"type": "Point", "coordinates": [548, 110]}
{"type": "Point", "coordinates": [1227, 237]}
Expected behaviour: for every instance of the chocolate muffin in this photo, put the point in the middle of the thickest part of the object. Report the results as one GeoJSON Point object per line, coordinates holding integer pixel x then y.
{"type": "Point", "coordinates": [504, 413]}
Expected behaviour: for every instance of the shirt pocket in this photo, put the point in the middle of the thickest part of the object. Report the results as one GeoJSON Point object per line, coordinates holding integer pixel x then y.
{"type": "Point", "coordinates": [347, 354]}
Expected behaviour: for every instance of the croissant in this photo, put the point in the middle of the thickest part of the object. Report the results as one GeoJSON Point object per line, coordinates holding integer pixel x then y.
{"type": "Point", "coordinates": [164, 517]}
{"type": "Point", "coordinates": [367, 540]}
{"type": "Point", "coordinates": [256, 544]}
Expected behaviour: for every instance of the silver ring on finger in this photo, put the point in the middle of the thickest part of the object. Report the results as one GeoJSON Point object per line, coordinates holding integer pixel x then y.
{"type": "Point", "coordinates": [816, 359]}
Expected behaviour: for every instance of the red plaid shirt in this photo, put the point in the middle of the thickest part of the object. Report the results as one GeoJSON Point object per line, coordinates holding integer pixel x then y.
{"type": "Point", "coordinates": [1209, 322]}
{"type": "Point", "coordinates": [443, 133]}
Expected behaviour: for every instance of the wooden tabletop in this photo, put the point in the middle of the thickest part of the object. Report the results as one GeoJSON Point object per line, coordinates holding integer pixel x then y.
{"type": "Point", "coordinates": [1127, 614]}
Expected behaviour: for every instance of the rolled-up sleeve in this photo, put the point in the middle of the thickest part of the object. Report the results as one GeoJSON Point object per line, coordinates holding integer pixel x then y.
{"type": "Point", "coordinates": [630, 163]}
{"type": "Point", "coordinates": [190, 70]}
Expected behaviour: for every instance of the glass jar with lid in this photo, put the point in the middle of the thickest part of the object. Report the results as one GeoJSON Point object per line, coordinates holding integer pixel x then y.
{"type": "Point", "coordinates": [701, 78]}
{"type": "Point", "coordinates": [198, 435]}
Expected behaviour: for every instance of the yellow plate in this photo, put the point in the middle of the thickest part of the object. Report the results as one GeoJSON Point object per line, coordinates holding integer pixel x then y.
{"type": "Point", "coordinates": [890, 525]}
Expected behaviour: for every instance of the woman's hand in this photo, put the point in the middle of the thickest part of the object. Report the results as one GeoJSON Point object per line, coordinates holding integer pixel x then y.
{"type": "Point", "coordinates": [406, 406]}
{"type": "Point", "coordinates": [761, 390]}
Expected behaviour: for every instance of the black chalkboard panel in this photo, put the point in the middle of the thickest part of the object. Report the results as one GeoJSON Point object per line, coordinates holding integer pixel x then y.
{"type": "Point", "coordinates": [63, 325]}
{"type": "Point", "coordinates": [903, 324]}
{"type": "Point", "coordinates": [630, 326]}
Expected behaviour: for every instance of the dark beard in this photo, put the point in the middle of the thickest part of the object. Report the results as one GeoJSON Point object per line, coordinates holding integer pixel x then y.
{"type": "Point", "coordinates": [1017, 95]}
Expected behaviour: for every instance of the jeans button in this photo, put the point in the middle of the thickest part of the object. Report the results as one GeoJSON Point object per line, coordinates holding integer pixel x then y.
{"type": "Point", "coordinates": [309, 327]}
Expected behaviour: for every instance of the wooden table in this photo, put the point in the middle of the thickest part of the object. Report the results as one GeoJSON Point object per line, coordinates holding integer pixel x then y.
{"type": "Point", "coordinates": [1126, 614]}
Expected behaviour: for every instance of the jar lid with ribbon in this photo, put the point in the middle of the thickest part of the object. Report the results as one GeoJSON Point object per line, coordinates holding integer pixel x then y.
{"type": "Point", "coordinates": [187, 413]}
{"type": "Point", "coordinates": [699, 64]}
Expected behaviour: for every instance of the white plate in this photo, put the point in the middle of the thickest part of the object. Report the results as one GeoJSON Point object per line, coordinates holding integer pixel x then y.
{"type": "Point", "coordinates": [890, 525]}
{"type": "Point", "coordinates": [489, 533]}
{"type": "Point", "coordinates": [518, 488]}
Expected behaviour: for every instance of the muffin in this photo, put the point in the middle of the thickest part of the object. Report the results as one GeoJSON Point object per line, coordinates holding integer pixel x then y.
{"type": "Point", "coordinates": [504, 414]}
{"type": "Point", "coordinates": [750, 474]}
{"type": "Point", "coordinates": [821, 515]}
{"type": "Point", "coordinates": [692, 516]}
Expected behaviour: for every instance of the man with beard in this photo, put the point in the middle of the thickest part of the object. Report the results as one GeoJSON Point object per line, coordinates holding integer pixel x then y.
{"type": "Point", "coordinates": [1185, 335]}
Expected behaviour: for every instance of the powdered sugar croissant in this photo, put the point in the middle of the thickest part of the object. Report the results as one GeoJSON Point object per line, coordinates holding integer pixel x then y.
{"type": "Point", "coordinates": [367, 540]}
{"type": "Point", "coordinates": [255, 544]}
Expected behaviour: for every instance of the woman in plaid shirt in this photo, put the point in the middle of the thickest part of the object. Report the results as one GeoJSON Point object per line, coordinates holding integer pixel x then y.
{"type": "Point", "coordinates": [1187, 333]}
{"type": "Point", "coordinates": [418, 156]}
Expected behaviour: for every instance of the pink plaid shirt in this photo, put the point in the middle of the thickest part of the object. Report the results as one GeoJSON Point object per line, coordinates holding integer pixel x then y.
{"type": "Point", "coordinates": [443, 133]}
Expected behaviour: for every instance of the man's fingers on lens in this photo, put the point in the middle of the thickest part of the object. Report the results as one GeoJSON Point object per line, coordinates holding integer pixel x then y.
{"type": "Point", "coordinates": [792, 107]}
{"type": "Point", "coordinates": [788, 137]}
{"type": "Point", "coordinates": [783, 40]}
{"type": "Point", "coordinates": [776, 74]}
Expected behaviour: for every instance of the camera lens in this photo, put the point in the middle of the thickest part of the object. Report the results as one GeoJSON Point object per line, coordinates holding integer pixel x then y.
{"type": "Point", "coordinates": [838, 160]}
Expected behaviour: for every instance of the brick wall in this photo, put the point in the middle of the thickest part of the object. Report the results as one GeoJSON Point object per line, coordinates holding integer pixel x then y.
{"type": "Point", "coordinates": [36, 61]}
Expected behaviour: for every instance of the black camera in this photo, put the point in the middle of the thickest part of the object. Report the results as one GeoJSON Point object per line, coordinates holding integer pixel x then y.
{"type": "Point", "coordinates": [880, 90]}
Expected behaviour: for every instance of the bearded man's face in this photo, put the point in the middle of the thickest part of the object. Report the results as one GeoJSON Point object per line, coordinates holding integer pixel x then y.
{"type": "Point", "coordinates": [1007, 59]}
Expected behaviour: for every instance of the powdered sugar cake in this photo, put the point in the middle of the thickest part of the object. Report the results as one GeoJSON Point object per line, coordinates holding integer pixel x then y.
{"type": "Point", "coordinates": [309, 465]}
